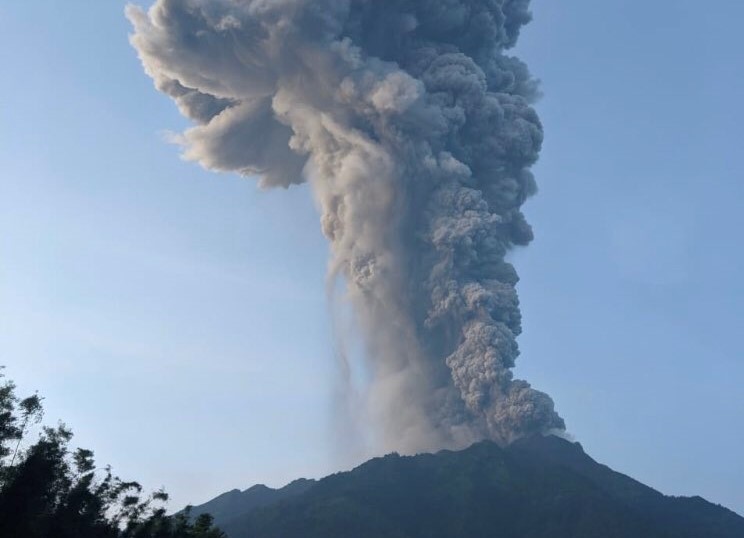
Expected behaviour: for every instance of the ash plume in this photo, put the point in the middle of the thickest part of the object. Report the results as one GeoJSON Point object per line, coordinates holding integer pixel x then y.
{"type": "Point", "coordinates": [414, 128]}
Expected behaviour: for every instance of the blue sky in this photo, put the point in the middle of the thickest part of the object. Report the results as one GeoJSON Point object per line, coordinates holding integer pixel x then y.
{"type": "Point", "coordinates": [176, 318]}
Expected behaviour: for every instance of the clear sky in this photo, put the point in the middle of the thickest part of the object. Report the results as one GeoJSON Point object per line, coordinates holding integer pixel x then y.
{"type": "Point", "coordinates": [176, 318]}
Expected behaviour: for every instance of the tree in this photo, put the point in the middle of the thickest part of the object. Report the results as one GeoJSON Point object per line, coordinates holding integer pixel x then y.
{"type": "Point", "coordinates": [49, 490]}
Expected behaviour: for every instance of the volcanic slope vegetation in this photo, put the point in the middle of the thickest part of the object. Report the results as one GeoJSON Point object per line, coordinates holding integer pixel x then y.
{"type": "Point", "coordinates": [541, 487]}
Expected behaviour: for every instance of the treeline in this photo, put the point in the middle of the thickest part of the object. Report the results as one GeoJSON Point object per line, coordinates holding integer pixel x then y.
{"type": "Point", "coordinates": [50, 490]}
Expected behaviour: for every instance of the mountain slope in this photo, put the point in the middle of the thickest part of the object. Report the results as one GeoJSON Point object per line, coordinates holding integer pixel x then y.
{"type": "Point", "coordinates": [235, 503]}
{"type": "Point", "coordinates": [536, 488]}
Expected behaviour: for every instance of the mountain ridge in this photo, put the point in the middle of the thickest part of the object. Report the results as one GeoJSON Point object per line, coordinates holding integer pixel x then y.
{"type": "Point", "coordinates": [537, 487]}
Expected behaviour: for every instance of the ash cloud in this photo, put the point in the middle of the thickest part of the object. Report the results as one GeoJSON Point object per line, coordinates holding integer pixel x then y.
{"type": "Point", "coordinates": [414, 129]}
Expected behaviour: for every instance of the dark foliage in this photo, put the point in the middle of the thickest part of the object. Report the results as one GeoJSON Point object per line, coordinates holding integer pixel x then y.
{"type": "Point", "coordinates": [48, 490]}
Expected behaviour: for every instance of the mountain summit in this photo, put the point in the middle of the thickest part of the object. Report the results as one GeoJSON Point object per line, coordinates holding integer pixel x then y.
{"type": "Point", "coordinates": [540, 487]}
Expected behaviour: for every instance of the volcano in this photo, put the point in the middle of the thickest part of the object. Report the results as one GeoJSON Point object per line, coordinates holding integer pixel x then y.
{"type": "Point", "coordinates": [538, 487]}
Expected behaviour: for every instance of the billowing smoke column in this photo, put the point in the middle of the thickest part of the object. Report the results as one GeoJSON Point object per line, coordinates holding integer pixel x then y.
{"type": "Point", "coordinates": [415, 131]}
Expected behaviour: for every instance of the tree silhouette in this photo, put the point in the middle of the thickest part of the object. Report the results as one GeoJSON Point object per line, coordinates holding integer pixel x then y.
{"type": "Point", "coordinates": [49, 490]}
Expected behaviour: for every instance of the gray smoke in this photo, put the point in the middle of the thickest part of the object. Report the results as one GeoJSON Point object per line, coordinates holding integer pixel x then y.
{"type": "Point", "coordinates": [415, 131]}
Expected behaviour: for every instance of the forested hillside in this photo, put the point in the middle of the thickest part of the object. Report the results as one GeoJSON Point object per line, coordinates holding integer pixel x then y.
{"type": "Point", "coordinates": [541, 487]}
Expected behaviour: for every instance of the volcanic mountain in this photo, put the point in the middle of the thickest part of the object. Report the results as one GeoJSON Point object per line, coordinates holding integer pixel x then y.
{"type": "Point", "coordinates": [540, 487]}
